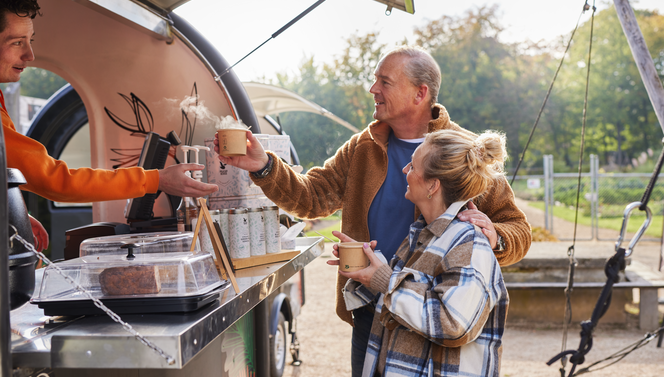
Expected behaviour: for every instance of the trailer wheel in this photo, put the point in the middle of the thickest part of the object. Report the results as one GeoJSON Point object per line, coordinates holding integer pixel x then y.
{"type": "Point", "coordinates": [278, 348]}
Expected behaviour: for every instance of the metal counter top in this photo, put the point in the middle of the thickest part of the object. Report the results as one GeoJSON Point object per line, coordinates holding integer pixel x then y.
{"type": "Point", "coordinates": [40, 341]}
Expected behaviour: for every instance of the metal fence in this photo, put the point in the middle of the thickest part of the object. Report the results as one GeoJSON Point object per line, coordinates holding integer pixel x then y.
{"type": "Point", "coordinates": [602, 201]}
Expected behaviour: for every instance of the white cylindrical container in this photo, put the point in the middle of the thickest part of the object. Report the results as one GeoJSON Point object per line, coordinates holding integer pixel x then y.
{"type": "Point", "coordinates": [272, 233]}
{"type": "Point", "coordinates": [256, 231]}
{"type": "Point", "coordinates": [223, 223]}
{"type": "Point", "coordinates": [238, 232]}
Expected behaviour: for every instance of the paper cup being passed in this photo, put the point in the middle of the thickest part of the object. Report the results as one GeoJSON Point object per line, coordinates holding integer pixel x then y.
{"type": "Point", "coordinates": [352, 257]}
{"type": "Point", "coordinates": [232, 137]}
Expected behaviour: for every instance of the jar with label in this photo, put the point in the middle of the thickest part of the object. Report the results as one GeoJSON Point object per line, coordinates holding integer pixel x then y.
{"type": "Point", "coordinates": [238, 232]}
{"type": "Point", "coordinates": [272, 232]}
{"type": "Point", "coordinates": [256, 231]}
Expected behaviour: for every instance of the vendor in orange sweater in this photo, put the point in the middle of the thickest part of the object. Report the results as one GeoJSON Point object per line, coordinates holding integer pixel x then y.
{"type": "Point", "coordinates": [52, 178]}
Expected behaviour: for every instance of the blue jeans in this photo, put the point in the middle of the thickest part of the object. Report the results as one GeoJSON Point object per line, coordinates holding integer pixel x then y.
{"type": "Point", "coordinates": [362, 319]}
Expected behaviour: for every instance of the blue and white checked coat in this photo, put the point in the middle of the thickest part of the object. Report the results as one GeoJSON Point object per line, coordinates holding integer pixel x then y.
{"type": "Point", "coordinates": [442, 307]}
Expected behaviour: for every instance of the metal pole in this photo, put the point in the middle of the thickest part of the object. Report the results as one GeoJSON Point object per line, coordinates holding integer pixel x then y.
{"type": "Point", "coordinates": [5, 331]}
{"type": "Point", "coordinates": [551, 192]}
{"type": "Point", "coordinates": [594, 218]}
{"type": "Point", "coordinates": [642, 57]}
{"type": "Point", "coordinates": [545, 160]}
{"type": "Point", "coordinates": [262, 334]}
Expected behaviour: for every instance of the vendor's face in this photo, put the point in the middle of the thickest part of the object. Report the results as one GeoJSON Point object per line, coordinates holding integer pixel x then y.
{"type": "Point", "coordinates": [417, 189]}
{"type": "Point", "coordinates": [15, 47]}
{"type": "Point", "coordinates": [394, 94]}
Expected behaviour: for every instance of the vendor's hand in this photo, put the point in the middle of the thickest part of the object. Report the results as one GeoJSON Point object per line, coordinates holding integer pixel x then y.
{"type": "Point", "coordinates": [343, 238]}
{"type": "Point", "coordinates": [39, 233]}
{"type": "Point", "coordinates": [478, 218]}
{"type": "Point", "coordinates": [364, 275]}
{"type": "Point", "coordinates": [253, 161]}
{"type": "Point", "coordinates": [174, 181]}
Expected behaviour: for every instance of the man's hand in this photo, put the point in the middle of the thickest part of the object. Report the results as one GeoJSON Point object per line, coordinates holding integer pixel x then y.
{"type": "Point", "coordinates": [478, 218]}
{"type": "Point", "coordinates": [364, 275]}
{"type": "Point", "coordinates": [174, 181]}
{"type": "Point", "coordinates": [40, 234]}
{"type": "Point", "coordinates": [253, 161]}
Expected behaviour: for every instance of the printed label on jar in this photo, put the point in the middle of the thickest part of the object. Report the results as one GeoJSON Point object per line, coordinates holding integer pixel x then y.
{"type": "Point", "coordinates": [238, 231]}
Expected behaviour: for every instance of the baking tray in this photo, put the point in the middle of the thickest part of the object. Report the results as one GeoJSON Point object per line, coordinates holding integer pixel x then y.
{"type": "Point", "coordinates": [131, 305]}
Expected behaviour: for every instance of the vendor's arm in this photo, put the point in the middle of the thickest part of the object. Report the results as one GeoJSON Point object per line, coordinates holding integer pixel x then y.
{"type": "Point", "coordinates": [497, 214]}
{"type": "Point", "coordinates": [316, 194]}
{"type": "Point", "coordinates": [54, 180]}
{"type": "Point", "coordinates": [451, 308]}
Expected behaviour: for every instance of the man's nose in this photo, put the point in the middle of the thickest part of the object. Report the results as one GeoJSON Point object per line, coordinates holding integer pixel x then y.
{"type": "Point", "coordinates": [28, 55]}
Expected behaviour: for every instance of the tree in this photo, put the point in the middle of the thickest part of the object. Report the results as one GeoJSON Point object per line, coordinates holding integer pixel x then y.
{"type": "Point", "coordinates": [342, 88]}
{"type": "Point", "coordinates": [621, 121]}
{"type": "Point", "coordinates": [40, 83]}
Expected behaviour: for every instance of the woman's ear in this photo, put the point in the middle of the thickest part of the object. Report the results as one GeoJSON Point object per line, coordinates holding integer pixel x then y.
{"type": "Point", "coordinates": [434, 185]}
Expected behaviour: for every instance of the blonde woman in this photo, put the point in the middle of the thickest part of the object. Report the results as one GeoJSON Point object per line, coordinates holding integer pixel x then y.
{"type": "Point", "coordinates": [441, 303]}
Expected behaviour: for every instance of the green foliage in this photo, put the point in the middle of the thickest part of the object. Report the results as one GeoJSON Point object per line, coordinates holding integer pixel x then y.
{"type": "Point", "coordinates": [489, 84]}
{"type": "Point", "coordinates": [40, 83]}
{"type": "Point", "coordinates": [615, 223]}
{"type": "Point", "coordinates": [341, 88]}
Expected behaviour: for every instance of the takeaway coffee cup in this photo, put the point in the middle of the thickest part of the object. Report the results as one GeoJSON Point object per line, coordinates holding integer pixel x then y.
{"type": "Point", "coordinates": [232, 142]}
{"type": "Point", "coordinates": [352, 257]}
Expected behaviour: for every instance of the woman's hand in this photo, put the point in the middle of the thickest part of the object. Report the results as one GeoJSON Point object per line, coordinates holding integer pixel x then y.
{"type": "Point", "coordinates": [335, 248]}
{"type": "Point", "coordinates": [364, 276]}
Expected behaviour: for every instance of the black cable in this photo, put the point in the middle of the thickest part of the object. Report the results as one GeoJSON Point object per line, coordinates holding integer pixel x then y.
{"type": "Point", "coordinates": [653, 179]}
{"type": "Point", "coordinates": [546, 98]}
{"type": "Point", "coordinates": [587, 344]}
{"type": "Point", "coordinates": [274, 35]}
{"type": "Point", "coordinates": [622, 353]}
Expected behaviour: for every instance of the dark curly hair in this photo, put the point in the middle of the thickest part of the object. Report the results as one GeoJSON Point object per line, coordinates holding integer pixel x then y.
{"type": "Point", "coordinates": [22, 8]}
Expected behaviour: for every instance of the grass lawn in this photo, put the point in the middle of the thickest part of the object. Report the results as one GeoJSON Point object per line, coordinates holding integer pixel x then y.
{"type": "Point", "coordinates": [635, 221]}
{"type": "Point", "coordinates": [327, 232]}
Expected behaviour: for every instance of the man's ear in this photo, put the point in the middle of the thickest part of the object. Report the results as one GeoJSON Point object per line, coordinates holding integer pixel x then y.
{"type": "Point", "coordinates": [422, 94]}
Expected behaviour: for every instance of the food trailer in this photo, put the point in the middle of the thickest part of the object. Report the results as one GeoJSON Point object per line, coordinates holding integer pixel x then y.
{"type": "Point", "coordinates": [129, 65]}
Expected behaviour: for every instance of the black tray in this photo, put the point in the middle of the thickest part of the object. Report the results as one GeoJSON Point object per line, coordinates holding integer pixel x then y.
{"type": "Point", "coordinates": [129, 305]}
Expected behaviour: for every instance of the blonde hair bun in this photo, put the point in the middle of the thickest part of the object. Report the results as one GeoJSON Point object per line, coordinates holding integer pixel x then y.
{"type": "Point", "coordinates": [465, 164]}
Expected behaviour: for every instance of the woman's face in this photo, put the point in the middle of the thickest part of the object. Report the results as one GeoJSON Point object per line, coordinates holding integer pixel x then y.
{"type": "Point", "coordinates": [417, 189]}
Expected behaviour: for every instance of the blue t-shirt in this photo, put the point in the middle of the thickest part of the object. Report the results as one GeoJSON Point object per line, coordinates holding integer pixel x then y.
{"type": "Point", "coordinates": [391, 214]}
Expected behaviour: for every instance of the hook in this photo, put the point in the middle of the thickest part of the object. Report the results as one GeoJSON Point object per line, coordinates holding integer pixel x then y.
{"type": "Point", "coordinates": [388, 11]}
{"type": "Point", "coordinates": [628, 211]}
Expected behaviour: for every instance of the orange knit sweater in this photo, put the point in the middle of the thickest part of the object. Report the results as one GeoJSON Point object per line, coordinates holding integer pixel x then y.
{"type": "Point", "coordinates": [53, 180]}
{"type": "Point", "coordinates": [350, 179]}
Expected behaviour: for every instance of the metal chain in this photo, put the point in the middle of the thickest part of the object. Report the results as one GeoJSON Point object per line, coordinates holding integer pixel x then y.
{"type": "Point", "coordinates": [127, 327]}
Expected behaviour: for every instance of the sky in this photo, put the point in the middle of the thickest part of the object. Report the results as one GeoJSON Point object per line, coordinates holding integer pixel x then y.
{"type": "Point", "coordinates": [237, 27]}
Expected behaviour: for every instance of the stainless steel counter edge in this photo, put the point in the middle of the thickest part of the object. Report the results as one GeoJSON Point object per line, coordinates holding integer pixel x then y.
{"type": "Point", "coordinates": [98, 342]}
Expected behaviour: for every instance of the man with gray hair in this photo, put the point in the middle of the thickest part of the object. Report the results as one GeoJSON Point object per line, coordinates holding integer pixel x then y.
{"type": "Point", "coordinates": [364, 177]}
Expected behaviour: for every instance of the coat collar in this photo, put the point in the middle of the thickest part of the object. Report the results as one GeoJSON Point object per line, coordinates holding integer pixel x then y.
{"type": "Point", "coordinates": [440, 119]}
{"type": "Point", "coordinates": [438, 226]}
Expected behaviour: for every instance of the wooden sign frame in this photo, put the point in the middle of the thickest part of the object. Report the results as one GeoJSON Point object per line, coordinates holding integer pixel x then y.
{"type": "Point", "coordinates": [204, 215]}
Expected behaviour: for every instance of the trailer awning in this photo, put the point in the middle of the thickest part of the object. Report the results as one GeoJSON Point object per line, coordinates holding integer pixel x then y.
{"type": "Point", "coordinates": [269, 99]}
{"type": "Point", "coordinates": [404, 5]}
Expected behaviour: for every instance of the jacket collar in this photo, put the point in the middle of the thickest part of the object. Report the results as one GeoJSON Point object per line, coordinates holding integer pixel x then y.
{"type": "Point", "coordinates": [438, 226]}
{"type": "Point", "coordinates": [440, 119]}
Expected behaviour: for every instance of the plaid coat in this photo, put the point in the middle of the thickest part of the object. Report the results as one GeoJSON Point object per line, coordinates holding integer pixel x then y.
{"type": "Point", "coordinates": [443, 304]}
